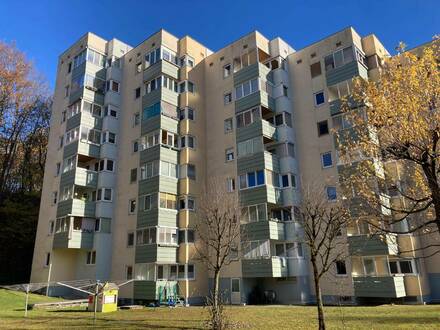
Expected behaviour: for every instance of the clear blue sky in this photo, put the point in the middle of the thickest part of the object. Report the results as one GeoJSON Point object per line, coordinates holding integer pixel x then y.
{"type": "Point", "coordinates": [44, 28]}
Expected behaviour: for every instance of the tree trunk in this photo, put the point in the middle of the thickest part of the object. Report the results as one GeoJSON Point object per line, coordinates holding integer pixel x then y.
{"type": "Point", "coordinates": [216, 288]}
{"type": "Point", "coordinates": [321, 320]}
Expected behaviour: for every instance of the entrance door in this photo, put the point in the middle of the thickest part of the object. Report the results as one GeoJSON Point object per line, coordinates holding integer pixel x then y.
{"type": "Point", "coordinates": [235, 291]}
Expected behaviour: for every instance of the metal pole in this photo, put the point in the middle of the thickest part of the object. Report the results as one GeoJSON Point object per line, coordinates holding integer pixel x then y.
{"type": "Point", "coordinates": [48, 280]}
{"type": "Point", "coordinates": [27, 300]}
{"type": "Point", "coordinates": [95, 303]}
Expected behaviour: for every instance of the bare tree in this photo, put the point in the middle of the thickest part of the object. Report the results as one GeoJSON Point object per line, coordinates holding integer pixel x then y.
{"type": "Point", "coordinates": [323, 222]}
{"type": "Point", "coordinates": [218, 232]}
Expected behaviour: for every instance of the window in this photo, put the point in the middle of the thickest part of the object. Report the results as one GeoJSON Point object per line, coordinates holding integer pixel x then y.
{"type": "Point", "coordinates": [188, 171]}
{"type": "Point", "coordinates": [135, 146]}
{"type": "Point", "coordinates": [95, 58]}
{"type": "Point", "coordinates": [47, 260]}
{"type": "Point", "coordinates": [63, 117]}
{"type": "Point", "coordinates": [190, 272]}
{"type": "Point", "coordinates": [75, 108]}
{"type": "Point", "coordinates": [339, 58]}
{"type": "Point", "coordinates": [229, 125]}
{"type": "Point", "coordinates": [108, 137]}
{"type": "Point", "coordinates": [285, 91]}
{"type": "Point", "coordinates": [51, 227]}
{"type": "Point", "coordinates": [167, 201]}
{"type": "Point", "coordinates": [326, 160]}
{"type": "Point", "coordinates": [132, 206]}
{"type": "Point", "coordinates": [168, 169]}
{"type": "Point", "coordinates": [72, 135]}
{"type": "Point", "coordinates": [136, 119]}
{"type": "Point", "coordinates": [186, 113]}
{"type": "Point", "coordinates": [254, 213]}
{"type": "Point", "coordinates": [146, 236]}
{"type": "Point", "coordinates": [186, 203]}
{"type": "Point", "coordinates": [57, 169]}
{"type": "Point", "coordinates": [66, 91]}
{"type": "Point", "coordinates": [341, 268]}
{"type": "Point", "coordinates": [110, 111]}
{"type": "Point", "coordinates": [187, 60]}
{"type": "Point", "coordinates": [246, 88]}
{"type": "Point", "coordinates": [331, 193]}
{"type": "Point", "coordinates": [107, 194]}
{"type": "Point", "coordinates": [151, 169]}
{"type": "Point", "coordinates": [230, 184]}
{"type": "Point", "coordinates": [54, 197]}
{"type": "Point", "coordinates": [113, 86]}
{"type": "Point", "coordinates": [249, 147]}
{"type": "Point", "coordinates": [98, 225]}
{"type": "Point", "coordinates": [130, 239]}
{"type": "Point", "coordinates": [129, 272]}
{"type": "Point", "coordinates": [109, 165]}
{"type": "Point", "coordinates": [247, 117]}
{"type": "Point", "coordinates": [91, 258]}
{"type": "Point", "coordinates": [369, 267]}
{"type": "Point", "coordinates": [227, 70]}
{"type": "Point", "coordinates": [186, 86]}
{"type": "Point", "coordinates": [152, 57]}
{"type": "Point", "coordinates": [187, 141]}
{"type": "Point", "coordinates": [227, 98]}
{"type": "Point", "coordinates": [251, 179]}
{"type": "Point", "coordinates": [403, 266]}
{"type": "Point", "coordinates": [137, 93]}
{"type": "Point", "coordinates": [315, 69]}
{"type": "Point", "coordinates": [167, 235]}
{"type": "Point", "coordinates": [323, 128]}
{"type": "Point", "coordinates": [319, 98]}
{"type": "Point", "coordinates": [256, 249]}
{"type": "Point", "coordinates": [69, 67]}
{"type": "Point", "coordinates": [148, 201]}
{"type": "Point", "coordinates": [90, 135]}
{"type": "Point", "coordinates": [229, 154]}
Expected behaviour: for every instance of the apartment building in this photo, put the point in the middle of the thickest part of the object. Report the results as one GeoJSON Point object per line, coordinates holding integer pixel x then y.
{"type": "Point", "coordinates": [136, 133]}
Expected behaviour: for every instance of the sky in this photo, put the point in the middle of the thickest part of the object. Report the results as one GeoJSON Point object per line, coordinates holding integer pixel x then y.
{"type": "Point", "coordinates": [44, 29]}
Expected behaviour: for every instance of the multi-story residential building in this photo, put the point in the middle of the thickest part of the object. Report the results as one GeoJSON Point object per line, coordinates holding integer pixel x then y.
{"type": "Point", "coordinates": [136, 133]}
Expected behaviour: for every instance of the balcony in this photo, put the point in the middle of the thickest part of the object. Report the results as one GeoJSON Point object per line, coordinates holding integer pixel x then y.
{"type": "Point", "coordinates": [86, 178]}
{"type": "Point", "coordinates": [156, 253]}
{"type": "Point", "coordinates": [254, 99]}
{"type": "Point", "coordinates": [258, 160]}
{"type": "Point", "coordinates": [161, 94]}
{"type": "Point", "coordinates": [261, 194]}
{"type": "Point", "coordinates": [155, 290]}
{"type": "Point", "coordinates": [379, 286]}
{"type": "Point", "coordinates": [265, 267]}
{"type": "Point", "coordinates": [76, 207]}
{"type": "Point", "coordinates": [73, 240]}
{"type": "Point", "coordinates": [161, 67]}
{"type": "Point", "coordinates": [258, 128]}
{"type": "Point", "coordinates": [373, 245]}
{"type": "Point", "coordinates": [345, 72]}
{"type": "Point", "coordinates": [263, 230]}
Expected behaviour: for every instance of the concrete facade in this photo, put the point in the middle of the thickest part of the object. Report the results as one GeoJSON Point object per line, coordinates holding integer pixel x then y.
{"type": "Point", "coordinates": [136, 132]}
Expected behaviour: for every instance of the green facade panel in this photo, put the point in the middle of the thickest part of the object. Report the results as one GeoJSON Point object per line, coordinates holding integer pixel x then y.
{"type": "Point", "coordinates": [345, 72]}
{"type": "Point", "coordinates": [270, 267]}
{"type": "Point", "coordinates": [78, 240]}
{"type": "Point", "coordinates": [262, 194]}
{"type": "Point", "coordinates": [253, 100]}
{"type": "Point", "coordinates": [258, 161]}
{"type": "Point", "coordinates": [155, 253]}
{"type": "Point", "coordinates": [262, 230]}
{"type": "Point", "coordinates": [155, 217]}
{"type": "Point", "coordinates": [371, 245]}
{"type": "Point", "coordinates": [161, 94]}
{"type": "Point", "coordinates": [379, 286]}
{"type": "Point", "coordinates": [250, 72]}
{"type": "Point", "coordinates": [159, 68]}
{"type": "Point", "coordinates": [76, 207]}
{"type": "Point", "coordinates": [258, 128]}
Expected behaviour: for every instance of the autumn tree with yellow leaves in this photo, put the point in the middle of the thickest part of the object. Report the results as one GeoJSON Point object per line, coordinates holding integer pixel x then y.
{"type": "Point", "coordinates": [392, 145]}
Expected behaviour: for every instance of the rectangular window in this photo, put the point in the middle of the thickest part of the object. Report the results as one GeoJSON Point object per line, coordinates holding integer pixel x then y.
{"type": "Point", "coordinates": [227, 70]}
{"type": "Point", "coordinates": [331, 193]}
{"type": "Point", "coordinates": [248, 117]}
{"type": "Point", "coordinates": [323, 128]}
{"type": "Point", "coordinates": [130, 239]}
{"type": "Point", "coordinates": [341, 268]}
{"type": "Point", "coordinates": [230, 184]}
{"type": "Point", "coordinates": [229, 126]}
{"type": "Point", "coordinates": [147, 202]}
{"type": "Point", "coordinates": [132, 206]}
{"type": "Point", "coordinates": [326, 160]}
{"type": "Point", "coordinates": [246, 88]}
{"type": "Point", "coordinates": [227, 98]}
{"type": "Point", "coordinates": [91, 258]}
{"type": "Point", "coordinates": [168, 201]}
{"type": "Point", "coordinates": [133, 175]}
{"type": "Point", "coordinates": [129, 272]}
{"type": "Point", "coordinates": [315, 69]}
{"type": "Point", "coordinates": [251, 179]}
{"type": "Point", "coordinates": [47, 260]}
{"type": "Point", "coordinates": [319, 98]}
{"type": "Point", "coordinates": [229, 154]}
{"type": "Point", "coordinates": [137, 93]}
{"type": "Point", "coordinates": [107, 194]}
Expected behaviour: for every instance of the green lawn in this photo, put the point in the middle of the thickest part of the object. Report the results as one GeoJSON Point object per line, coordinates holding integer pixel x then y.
{"type": "Point", "coordinates": [250, 317]}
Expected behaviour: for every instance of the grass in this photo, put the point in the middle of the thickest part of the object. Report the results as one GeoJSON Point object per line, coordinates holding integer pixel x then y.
{"type": "Point", "coordinates": [250, 317]}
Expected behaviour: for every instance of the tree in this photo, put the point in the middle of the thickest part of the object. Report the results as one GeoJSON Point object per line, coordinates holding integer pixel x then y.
{"type": "Point", "coordinates": [323, 222]}
{"type": "Point", "coordinates": [217, 231]}
{"type": "Point", "coordinates": [24, 122]}
{"type": "Point", "coordinates": [396, 124]}
{"type": "Point", "coordinates": [24, 129]}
